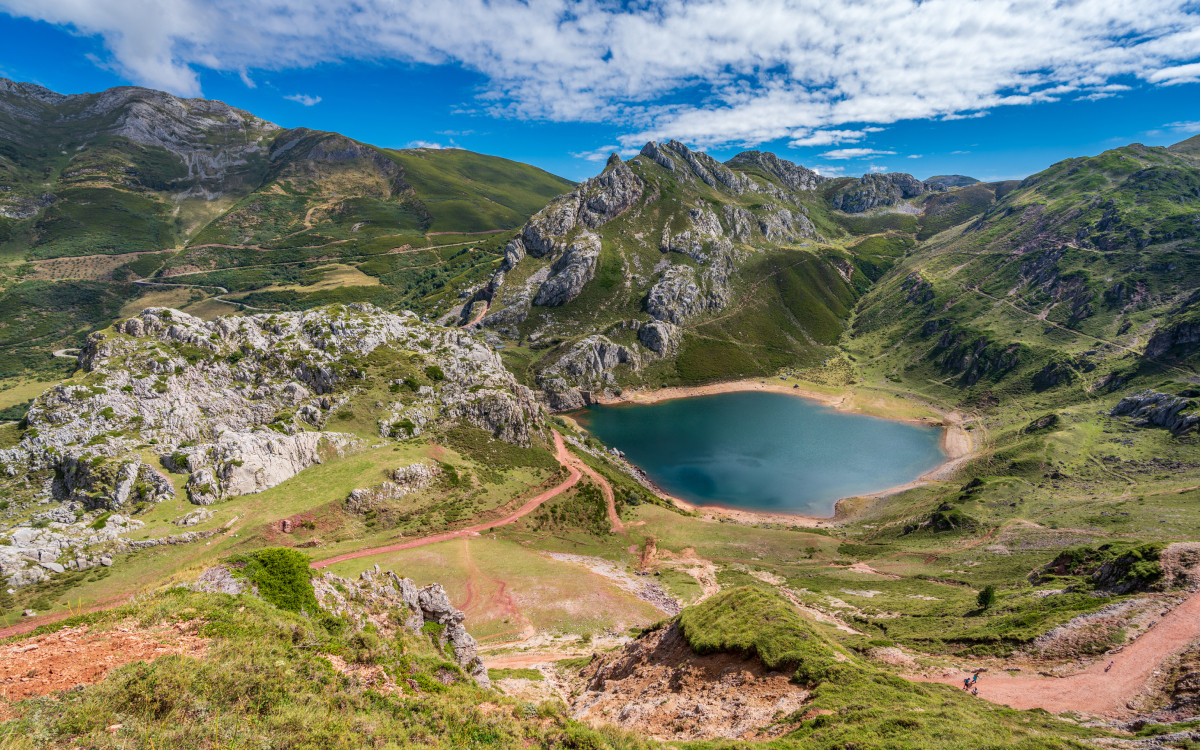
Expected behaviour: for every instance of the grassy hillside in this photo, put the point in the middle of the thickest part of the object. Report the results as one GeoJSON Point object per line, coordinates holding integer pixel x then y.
{"type": "Point", "coordinates": [90, 184]}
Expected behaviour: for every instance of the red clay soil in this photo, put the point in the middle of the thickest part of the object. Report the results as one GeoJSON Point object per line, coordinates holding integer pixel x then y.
{"type": "Point", "coordinates": [1094, 691]}
{"type": "Point", "coordinates": [78, 656]}
{"type": "Point", "coordinates": [560, 453]}
{"type": "Point", "coordinates": [24, 627]}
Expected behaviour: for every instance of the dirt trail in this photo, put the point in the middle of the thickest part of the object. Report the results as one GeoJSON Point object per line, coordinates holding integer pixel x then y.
{"type": "Point", "coordinates": [560, 453]}
{"type": "Point", "coordinates": [1094, 691]}
{"type": "Point", "coordinates": [609, 498]}
{"type": "Point", "coordinates": [478, 317]}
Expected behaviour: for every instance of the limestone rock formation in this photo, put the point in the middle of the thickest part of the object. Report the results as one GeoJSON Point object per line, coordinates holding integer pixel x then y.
{"type": "Point", "coordinates": [238, 405]}
{"type": "Point", "coordinates": [874, 190]}
{"type": "Point", "coordinates": [1153, 409]}
{"type": "Point", "coordinates": [660, 337]}
{"type": "Point", "coordinates": [574, 268]}
{"type": "Point", "coordinates": [375, 596]}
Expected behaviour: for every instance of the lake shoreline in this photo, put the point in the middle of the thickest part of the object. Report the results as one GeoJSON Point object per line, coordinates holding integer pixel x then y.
{"type": "Point", "coordinates": [956, 443]}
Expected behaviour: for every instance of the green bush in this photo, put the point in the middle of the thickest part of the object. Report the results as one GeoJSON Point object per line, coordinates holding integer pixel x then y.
{"type": "Point", "coordinates": [282, 576]}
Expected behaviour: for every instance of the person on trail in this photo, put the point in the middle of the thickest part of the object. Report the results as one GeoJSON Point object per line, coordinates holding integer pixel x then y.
{"type": "Point", "coordinates": [966, 683]}
{"type": "Point", "coordinates": [1110, 666]}
{"type": "Point", "coordinates": [975, 679]}
{"type": "Point", "coordinates": [975, 691]}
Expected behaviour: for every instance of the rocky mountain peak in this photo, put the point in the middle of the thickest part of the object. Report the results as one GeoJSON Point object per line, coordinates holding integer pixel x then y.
{"type": "Point", "coordinates": [790, 174]}
{"type": "Point", "coordinates": [874, 190]}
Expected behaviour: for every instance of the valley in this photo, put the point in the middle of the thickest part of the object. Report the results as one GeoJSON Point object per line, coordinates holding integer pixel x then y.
{"type": "Point", "coordinates": [311, 361]}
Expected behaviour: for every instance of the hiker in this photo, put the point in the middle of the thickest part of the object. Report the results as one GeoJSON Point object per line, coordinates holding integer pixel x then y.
{"type": "Point", "coordinates": [975, 679]}
{"type": "Point", "coordinates": [966, 683]}
{"type": "Point", "coordinates": [1110, 666]}
{"type": "Point", "coordinates": [975, 692]}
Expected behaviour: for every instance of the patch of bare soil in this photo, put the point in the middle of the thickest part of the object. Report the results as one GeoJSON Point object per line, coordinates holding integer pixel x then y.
{"type": "Point", "coordinates": [645, 589]}
{"type": "Point", "coordinates": [81, 656]}
{"type": "Point", "coordinates": [657, 686]}
{"type": "Point", "coordinates": [364, 676]}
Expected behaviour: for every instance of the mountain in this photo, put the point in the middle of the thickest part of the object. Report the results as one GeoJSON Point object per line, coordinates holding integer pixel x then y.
{"type": "Point", "coordinates": [1083, 274]}
{"type": "Point", "coordinates": [132, 169]}
{"type": "Point", "coordinates": [201, 517]}
{"type": "Point", "coordinates": [674, 268]}
{"type": "Point", "coordinates": [952, 180]}
{"type": "Point", "coordinates": [99, 190]}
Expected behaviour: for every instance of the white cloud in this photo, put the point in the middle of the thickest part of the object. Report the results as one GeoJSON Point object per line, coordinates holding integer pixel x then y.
{"type": "Point", "coordinates": [855, 153]}
{"type": "Point", "coordinates": [425, 144]}
{"type": "Point", "coordinates": [831, 137]}
{"type": "Point", "coordinates": [1177, 74]}
{"type": "Point", "coordinates": [915, 156]}
{"type": "Point", "coordinates": [709, 72]}
{"type": "Point", "coordinates": [827, 171]}
{"type": "Point", "coordinates": [876, 168]}
{"type": "Point", "coordinates": [304, 99]}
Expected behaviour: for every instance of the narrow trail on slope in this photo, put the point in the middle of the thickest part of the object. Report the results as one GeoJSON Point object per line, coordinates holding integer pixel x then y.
{"type": "Point", "coordinates": [1094, 691]}
{"type": "Point", "coordinates": [560, 454]}
{"type": "Point", "coordinates": [614, 519]}
{"type": "Point", "coordinates": [478, 317]}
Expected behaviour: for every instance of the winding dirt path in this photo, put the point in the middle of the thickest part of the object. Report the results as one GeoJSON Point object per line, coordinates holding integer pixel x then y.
{"type": "Point", "coordinates": [1094, 691]}
{"type": "Point", "coordinates": [560, 453]}
{"type": "Point", "coordinates": [614, 519]}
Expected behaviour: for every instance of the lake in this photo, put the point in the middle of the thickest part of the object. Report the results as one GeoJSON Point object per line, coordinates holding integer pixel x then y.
{"type": "Point", "coordinates": [766, 451]}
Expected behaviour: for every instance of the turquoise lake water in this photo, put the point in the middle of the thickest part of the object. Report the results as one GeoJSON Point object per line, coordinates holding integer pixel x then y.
{"type": "Point", "coordinates": [765, 451]}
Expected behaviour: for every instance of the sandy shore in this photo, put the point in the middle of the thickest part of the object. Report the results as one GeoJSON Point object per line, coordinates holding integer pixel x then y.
{"type": "Point", "coordinates": [957, 443]}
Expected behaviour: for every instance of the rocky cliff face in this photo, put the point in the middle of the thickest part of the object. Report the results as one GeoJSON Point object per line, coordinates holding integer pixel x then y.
{"type": "Point", "coordinates": [239, 405]}
{"type": "Point", "coordinates": [875, 190]}
{"type": "Point", "coordinates": [218, 145]}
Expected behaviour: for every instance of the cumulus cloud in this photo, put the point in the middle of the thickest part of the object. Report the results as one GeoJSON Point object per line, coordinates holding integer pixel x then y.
{"type": "Point", "coordinates": [710, 72]}
{"type": "Point", "coordinates": [304, 99]}
{"type": "Point", "coordinates": [425, 144]}
{"type": "Point", "coordinates": [854, 153]}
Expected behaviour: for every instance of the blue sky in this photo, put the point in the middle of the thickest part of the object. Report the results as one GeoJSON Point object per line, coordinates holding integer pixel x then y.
{"type": "Point", "coordinates": [996, 89]}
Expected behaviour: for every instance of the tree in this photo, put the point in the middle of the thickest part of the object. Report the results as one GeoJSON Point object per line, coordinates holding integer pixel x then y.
{"type": "Point", "coordinates": [987, 597]}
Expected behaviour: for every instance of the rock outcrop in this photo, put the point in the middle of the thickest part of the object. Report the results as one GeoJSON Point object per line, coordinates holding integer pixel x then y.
{"type": "Point", "coordinates": [240, 405]}
{"type": "Point", "coordinates": [875, 190]}
{"type": "Point", "coordinates": [586, 367]}
{"type": "Point", "coordinates": [1153, 409]}
{"type": "Point", "coordinates": [376, 596]}
{"type": "Point", "coordinates": [574, 268]}
{"type": "Point", "coordinates": [1175, 340]}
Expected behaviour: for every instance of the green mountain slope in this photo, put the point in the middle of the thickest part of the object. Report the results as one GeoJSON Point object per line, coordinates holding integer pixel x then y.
{"type": "Point", "coordinates": [289, 218]}
{"type": "Point", "coordinates": [1083, 273]}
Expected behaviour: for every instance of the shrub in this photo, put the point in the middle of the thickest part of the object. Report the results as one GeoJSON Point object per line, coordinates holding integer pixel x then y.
{"type": "Point", "coordinates": [282, 576]}
{"type": "Point", "coordinates": [987, 597]}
